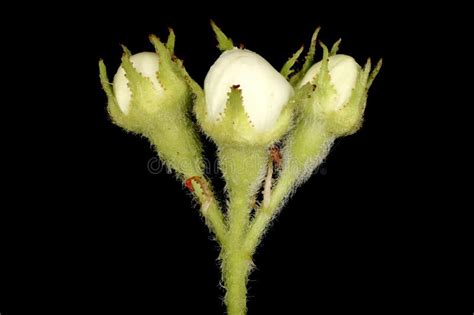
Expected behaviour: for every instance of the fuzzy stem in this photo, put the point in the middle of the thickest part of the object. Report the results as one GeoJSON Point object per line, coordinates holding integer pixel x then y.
{"type": "Point", "coordinates": [243, 169]}
{"type": "Point", "coordinates": [303, 157]}
{"type": "Point", "coordinates": [187, 163]}
{"type": "Point", "coordinates": [216, 221]}
{"type": "Point", "coordinates": [236, 263]}
{"type": "Point", "coordinates": [265, 214]}
{"type": "Point", "coordinates": [236, 270]}
{"type": "Point", "coordinates": [212, 215]}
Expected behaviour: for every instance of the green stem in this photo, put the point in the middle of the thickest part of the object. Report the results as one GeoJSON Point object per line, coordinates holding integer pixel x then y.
{"type": "Point", "coordinates": [236, 263]}
{"type": "Point", "coordinates": [216, 222]}
{"type": "Point", "coordinates": [243, 169]}
{"type": "Point", "coordinates": [212, 215]}
{"type": "Point", "coordinates": [187, 162]}
{"type": "Point", "coordinates": [304, 151]}
{"type": "Point", "coordinates": [264, 215]}
{"type": "Point", "coordinates": [236, 270]}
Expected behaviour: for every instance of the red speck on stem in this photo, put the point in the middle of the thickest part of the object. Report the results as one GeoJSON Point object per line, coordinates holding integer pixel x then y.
{"type": "Point", "coordinates": [189, 183]}
{"type": "Point", "coordinates": [276, 155]}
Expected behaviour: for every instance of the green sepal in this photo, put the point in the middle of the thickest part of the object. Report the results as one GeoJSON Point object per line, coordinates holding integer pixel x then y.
{"type": "Point", "coordinates": [325, 91]}
{"type": "Point", "coordinates": [374, 73]}
{"type": "Point", "coordinates": [112, 106]}
{"type": "Point", "coordinates": [115, 113]}
{"type": "Point", "coordinates": [169, 75]}
{"type": "Point", "coordinates": [126, 50]}
{"type": "Point", "coordinates": [235, 116]}
{"type": "Point", "coordinates": [171, 41]}
{"type": "Point", "coordinates": [234, 126]}
{"type": "Point", "coordinates": [309, 60]}
{"type": "Point", "coordinates": [335, 48]}
{"type": "Point", "coordinates": [287, 68]}
{"type": "Point", "coordinates": [224, 42]}
{"type": "Point", "coordinates": [348, 118]}
{"type": "Point", "coordinates": [144, 95]}
{"type": "Point", "coordinates": [324, 79]}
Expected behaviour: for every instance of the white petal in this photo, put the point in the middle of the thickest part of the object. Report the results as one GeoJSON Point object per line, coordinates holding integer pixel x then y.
{"type": "Point", "coordinates": [264, 90]}
{"type": "Point", "coordinates": [147, 64]}
{"type": "Point", "coordinates": [343, 70]}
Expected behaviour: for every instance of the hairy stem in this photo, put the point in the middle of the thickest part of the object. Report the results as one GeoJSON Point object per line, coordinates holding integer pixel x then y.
{"type": "Point", "coordinates": [243, 169]}
{"type": "Point", "coordinates": [305, 150]}
{"type": "Point", "coordinates": [266, 213]}
{"type": "Point", "coordinates": [188, 164]}
{"type": "Point", "coordinates": [212, 215]}
{"type": "Point", "coordinates": [236, 263]}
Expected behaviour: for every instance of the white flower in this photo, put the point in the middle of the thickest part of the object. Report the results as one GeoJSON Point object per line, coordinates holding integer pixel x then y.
{"type": "Point", "coordinates": [146, 63]}
{"type": "Point", "coordinates": [343, 71]}
{"type": "Point", "coordinates": [264, 90]}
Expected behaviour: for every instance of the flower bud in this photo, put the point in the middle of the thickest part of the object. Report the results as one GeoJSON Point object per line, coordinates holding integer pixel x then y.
{"type": "Point", "coordinates": [343, 71]}
{"type": "Point", "coordinates": [264, 90]}
{"type": "Point", "coordinates": [147, 64]}
{"type": "Point", "coordinates": [340, 94]}
{"type": "Point", "coordinates": [150, 96]}
{"type": "Point", "coordinates": [334, 93]}
{"type": "Point", "coordinates": [245, 100]}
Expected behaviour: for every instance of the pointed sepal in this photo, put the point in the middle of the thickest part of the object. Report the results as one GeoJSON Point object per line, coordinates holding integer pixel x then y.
{"type": "Point", "coordinates": [348, 119]}
{"type": "Point", "coordinates": [309, 59]}
{"type": "Point", "coordinates": [287, 68]}
{"type": "Point", "coordinates": [224, 42]}
{"type": "Point", "coordinates": [335, 48]}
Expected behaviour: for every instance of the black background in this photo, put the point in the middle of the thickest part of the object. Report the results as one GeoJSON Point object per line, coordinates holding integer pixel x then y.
{"type": "Point", "coordinates": [90, 230]}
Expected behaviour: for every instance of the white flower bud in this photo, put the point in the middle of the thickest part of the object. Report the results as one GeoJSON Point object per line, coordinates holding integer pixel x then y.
{"type": "Point", "coordinates": [343, 71]}
{"type": "Point", "coordinates": [264, 90]}
{"type": "Point", "coordinates": [146, 63]}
